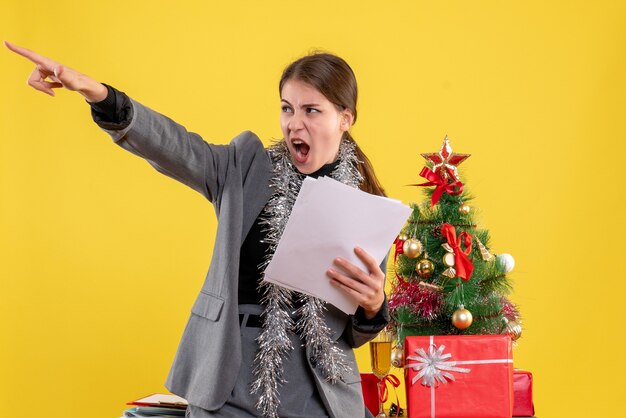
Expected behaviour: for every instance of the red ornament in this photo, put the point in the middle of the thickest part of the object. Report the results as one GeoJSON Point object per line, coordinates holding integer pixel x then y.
{"type": "Point", "coordinates": [453, 188]}
{"type": "Point", "coordinates": [462, 264]}
{"type": "Point", "coordinates": [445, 161]}
{"type": "Point", "coordinates": [399, 243]}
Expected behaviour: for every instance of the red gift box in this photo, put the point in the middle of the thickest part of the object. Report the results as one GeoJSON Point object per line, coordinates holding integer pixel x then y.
{"type": "Point", "coordinates": [523, 394]}
{"type": "Point", "coordinates": [369, 384]}
{"type": "Point", "coordinates": [452, 376]}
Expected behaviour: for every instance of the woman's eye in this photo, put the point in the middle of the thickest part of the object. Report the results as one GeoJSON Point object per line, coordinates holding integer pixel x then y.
{"type": "Point", "coordinates": [285, 109]}
{"type": "Point", "coordinates": [311, 110]}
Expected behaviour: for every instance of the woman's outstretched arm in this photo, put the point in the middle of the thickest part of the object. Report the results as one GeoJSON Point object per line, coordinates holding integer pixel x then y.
{"type": "Point", "coordinates": [165, 144]}
{"type": "Point", "coordinates": [49, 75]}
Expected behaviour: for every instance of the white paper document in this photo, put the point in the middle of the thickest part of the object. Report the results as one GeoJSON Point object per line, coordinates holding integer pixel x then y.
{"type": "Point", "coordinates": [327, 221]}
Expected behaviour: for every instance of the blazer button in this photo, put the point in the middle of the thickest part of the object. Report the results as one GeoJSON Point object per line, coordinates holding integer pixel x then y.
{"type": "Point", "coordinates": [313, 361]}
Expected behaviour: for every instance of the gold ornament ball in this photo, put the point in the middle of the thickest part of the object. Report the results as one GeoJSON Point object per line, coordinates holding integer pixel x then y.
{"type": "Point", "coordinates": [513, 329]}
{"type": "Point", "coordinates": [464, 209]}
{"type": "Point", "coordinates": [412, 248]}
{"type": "Point", "coordinates": [424, 268]}
{"type": "Point", "coordinates": [403, 237]}
{"type": "Point", "coordinates": [397, 357]}
{"type": "Point", "coordinates": [462, 318]}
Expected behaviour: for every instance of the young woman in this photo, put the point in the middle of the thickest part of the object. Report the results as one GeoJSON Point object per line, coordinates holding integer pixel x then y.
{"type": "Point", "coordinates": [251, 348]}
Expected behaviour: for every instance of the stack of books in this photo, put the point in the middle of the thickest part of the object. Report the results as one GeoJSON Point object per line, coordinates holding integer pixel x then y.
{"type": "Point", "coordinates": [157, 406]}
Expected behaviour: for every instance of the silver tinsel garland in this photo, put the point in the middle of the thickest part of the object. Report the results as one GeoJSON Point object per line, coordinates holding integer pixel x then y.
{"type": "Point", "coordinates": [274, 342]}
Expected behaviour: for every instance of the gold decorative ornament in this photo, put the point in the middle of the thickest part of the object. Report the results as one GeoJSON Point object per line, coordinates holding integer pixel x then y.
{"type": "Point", "coordinates": [430, 286]}
{"type": "Point", "coordinates": [424, 268]}
{"type": "Point", "coordinates": [448, 259]}
{"type": "Point", "coordinates": [484, 252]}
{"type": "Point", "coordinates": [450, 272]}
{"type": "Point", "coordinates": [462, 318]}
{"type": "Point", "coordinates": [447, 247]}
{"type": "Point", "coordinates": [464, 209]}
{"type": "Point", "coordinates": [397, 357]}
{"type": "Point", "coordinates": [512, 328]}
{"type": "Point", "coordinates": [412, 248]}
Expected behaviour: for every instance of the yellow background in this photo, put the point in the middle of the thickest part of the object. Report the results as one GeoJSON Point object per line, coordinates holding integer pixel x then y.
{"type": "Point", "coordinates": [101, 257]}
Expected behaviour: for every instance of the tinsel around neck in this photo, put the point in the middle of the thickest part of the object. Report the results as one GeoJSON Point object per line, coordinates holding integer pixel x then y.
{"type": "Point", "coordinates": [278, 320]}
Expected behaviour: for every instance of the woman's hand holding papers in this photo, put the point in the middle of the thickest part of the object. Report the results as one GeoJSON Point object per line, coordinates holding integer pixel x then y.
{"type": "Point", "coordinates": [366, 287]}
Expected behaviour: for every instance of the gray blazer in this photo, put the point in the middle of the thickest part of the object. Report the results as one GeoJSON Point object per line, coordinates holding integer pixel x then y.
{"type": "Point", "coordinates": [235, 179]}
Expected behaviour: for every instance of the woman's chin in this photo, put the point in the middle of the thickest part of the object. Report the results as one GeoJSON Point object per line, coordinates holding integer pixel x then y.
{"type": "Point", "coordinates": [305, 168]}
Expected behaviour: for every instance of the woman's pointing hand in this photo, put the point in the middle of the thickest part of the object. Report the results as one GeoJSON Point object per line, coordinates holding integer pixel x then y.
{"type": "Point", "coordinates": [49, 75]}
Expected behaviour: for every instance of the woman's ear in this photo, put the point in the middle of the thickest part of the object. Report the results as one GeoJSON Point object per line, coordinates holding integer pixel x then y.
{"type": "Point", "coordinates": [347, 119]}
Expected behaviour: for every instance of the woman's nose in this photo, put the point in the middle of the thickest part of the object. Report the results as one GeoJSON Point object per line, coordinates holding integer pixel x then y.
{"type": "Point", "coordinates": [296, 121]}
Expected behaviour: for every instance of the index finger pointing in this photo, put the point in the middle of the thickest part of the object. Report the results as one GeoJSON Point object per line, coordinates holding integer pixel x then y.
{"type": "Point", "coordinates": [28, 54]}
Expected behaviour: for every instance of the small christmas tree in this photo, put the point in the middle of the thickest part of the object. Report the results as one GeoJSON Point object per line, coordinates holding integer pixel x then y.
{"type": "Point", "coordinates": [447, 279]}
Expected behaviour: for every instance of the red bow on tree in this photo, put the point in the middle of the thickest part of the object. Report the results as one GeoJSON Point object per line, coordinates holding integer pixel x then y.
{"type": "Point", "coordinates": [450, 186]}
{"type": "Point", "coordinates": [399, 250]}
{"type": "Point", "coordinates": [462, 264]}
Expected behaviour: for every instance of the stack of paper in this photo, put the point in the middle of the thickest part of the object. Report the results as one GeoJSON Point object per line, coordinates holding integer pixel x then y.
{"type": "Point", "coordinates": [157, 406]}
{"type": "Point", "coordinates": [328, 220]}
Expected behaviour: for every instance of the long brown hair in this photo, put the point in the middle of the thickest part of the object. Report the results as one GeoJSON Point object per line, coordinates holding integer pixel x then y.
{"type": "Point", "coordinates": [334, 78]}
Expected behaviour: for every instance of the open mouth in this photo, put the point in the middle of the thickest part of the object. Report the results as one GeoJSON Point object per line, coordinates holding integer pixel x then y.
{"type": "Point", "coordinates": [302, 150]}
